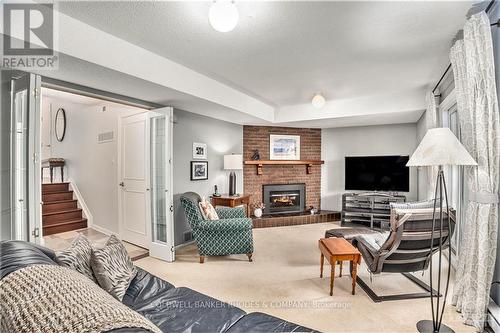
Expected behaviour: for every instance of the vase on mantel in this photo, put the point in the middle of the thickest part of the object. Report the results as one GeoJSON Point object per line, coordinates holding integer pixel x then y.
{"type": "Point", "coordinates": [257, 212]}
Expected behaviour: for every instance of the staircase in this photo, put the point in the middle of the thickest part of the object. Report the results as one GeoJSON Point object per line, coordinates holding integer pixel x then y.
{"type": "Point", "coordinates": [60, 211]}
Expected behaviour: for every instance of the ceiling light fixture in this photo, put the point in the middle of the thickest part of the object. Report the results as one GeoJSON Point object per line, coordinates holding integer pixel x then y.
{"type": "Point", "coordinates": [223, 15]}
{"type": "Point", "coordinates": [318, 101]}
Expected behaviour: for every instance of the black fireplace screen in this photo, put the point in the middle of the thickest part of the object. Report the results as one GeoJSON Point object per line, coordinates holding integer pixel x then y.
{"type": "Point", "coordinates": [284, 198]}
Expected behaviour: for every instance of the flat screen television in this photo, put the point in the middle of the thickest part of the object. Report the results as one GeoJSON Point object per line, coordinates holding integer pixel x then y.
{"type": "Point", "coordinates": [377, 173]}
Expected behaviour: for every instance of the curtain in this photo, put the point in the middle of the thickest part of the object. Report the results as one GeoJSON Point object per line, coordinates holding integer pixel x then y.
{"type": "Point", "coordinates": [431, 119]}
{"type": "Point", "coordinates": [473, 68]}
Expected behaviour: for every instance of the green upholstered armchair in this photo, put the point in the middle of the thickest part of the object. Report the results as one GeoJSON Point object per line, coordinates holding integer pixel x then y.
{"type": "Point", "coordinates": [232, 234]}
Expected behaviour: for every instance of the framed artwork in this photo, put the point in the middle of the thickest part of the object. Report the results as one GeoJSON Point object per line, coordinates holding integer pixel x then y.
{"type": "Point", "coordinates": [284, 147]}
{"type": "Point", "coordinates": [199, 170]}
{"type": "Point", "coordinates": [199, 150]}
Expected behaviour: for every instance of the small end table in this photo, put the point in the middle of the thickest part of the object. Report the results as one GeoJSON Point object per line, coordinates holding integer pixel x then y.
{"type": "Point", "coordinates": [232, 201]}
{"type": "Point", "coordinates": [337, 250]}
{"type": "Point", "coordinates": [52, 163]}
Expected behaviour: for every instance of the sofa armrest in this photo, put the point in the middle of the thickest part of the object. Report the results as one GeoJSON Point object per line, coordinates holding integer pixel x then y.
{"type": "Point", "coordinates": [226, 224]}
{"type": "Point", "coordinates": [230, 213]}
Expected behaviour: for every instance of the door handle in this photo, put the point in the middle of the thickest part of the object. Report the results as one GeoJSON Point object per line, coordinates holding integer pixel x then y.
{"type": "Point", "coordinates": [122, 184]}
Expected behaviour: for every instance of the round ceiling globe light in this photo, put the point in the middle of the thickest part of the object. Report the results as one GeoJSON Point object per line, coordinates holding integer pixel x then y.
{"type": "Point", "coordinates": [318, 101]}
{"type": "Point", "coordinates": [223, 15]}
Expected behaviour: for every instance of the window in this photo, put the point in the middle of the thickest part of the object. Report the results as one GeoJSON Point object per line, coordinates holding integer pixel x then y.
{"type": "Point", "coordinates": [454, 175]}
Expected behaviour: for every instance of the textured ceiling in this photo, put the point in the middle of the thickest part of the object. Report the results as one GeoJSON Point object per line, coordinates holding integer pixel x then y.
{"type": "Point", "coordinates": [284, 52]}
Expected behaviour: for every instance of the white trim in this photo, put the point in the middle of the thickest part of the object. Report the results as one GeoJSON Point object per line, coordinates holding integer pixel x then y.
{"type": "Point", "coordinates": [81, 202]}
{"type": "Point", "coordinates": [448, 102]}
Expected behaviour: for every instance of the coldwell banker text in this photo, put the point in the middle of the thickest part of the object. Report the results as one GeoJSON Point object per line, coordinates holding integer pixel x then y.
{"type": "Point", "coordinates": [28, 39]}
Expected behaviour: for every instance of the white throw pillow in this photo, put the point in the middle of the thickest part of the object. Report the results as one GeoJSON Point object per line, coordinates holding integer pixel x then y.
{"type": "Point", "coordinates": [208, 211]}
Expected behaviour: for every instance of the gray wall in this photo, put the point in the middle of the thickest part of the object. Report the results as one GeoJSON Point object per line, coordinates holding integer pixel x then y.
{"type": "Point", "coordinates": [222, 138]}
{"type": "Point", "coordinates": [336, 143]}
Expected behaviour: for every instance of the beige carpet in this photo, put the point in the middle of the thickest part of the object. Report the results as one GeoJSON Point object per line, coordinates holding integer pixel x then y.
{"type": "Point", "coordinates": [284, 281]}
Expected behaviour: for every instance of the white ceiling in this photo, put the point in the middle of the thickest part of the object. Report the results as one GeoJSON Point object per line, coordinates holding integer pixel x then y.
{"type": "Point", "coordinates": [284, 52]}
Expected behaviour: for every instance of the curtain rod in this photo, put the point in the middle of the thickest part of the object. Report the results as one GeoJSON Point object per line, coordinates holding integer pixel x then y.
{"type": "Point", "coordinates": [497, 24]}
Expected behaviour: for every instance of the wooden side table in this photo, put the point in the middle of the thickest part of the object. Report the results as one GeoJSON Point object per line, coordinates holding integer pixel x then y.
{"type": "Point", "coordinates": [232, 201]}
{"type": "Point", "coordinates": [52, 163]}
{"type": "Point", "coordinates": [337, 250]}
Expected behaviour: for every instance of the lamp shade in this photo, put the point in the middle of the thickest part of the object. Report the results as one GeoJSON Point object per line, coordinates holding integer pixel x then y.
{"type": "Point", "coordinates": [440, 147]}
{"type": "Point", "coordinates": [233, 162]}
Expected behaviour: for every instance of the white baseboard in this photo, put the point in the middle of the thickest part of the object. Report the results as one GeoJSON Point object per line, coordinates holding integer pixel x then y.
{"type": "Point", "coordinates": [180, 246]}
{"type": "Point", "coordinates": [103, 230]}
{"type": "Point", "coordinates": [81, 203]}
{"type": "Point", "coordinates": [494, 316]}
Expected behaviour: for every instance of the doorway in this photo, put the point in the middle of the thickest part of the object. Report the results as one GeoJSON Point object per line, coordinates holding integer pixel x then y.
{"type": "Point", "coordinates": [35, 117]}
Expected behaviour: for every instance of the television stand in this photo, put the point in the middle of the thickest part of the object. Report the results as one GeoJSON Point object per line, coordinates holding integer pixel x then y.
{"type": "Point", "coordinates": [369, 209]}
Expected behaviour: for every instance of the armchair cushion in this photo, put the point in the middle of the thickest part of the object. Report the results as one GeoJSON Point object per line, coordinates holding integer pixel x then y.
{"type": "Point", "coordinates": [230, 213]}
{"type": "Point", "coordinates": [374, 241]}
{"type": "Point", "coordinates": [238, 224]}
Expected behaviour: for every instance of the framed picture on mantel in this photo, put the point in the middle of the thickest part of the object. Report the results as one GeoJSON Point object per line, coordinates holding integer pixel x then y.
{"type": "Point", "coordinates": [284, 147]}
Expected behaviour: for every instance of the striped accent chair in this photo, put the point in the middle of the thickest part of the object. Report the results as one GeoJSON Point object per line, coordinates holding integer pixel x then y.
{"type": "Point", "coordinates": [232, 234]}
{"type": "Point", "coordinates": [407, 247]}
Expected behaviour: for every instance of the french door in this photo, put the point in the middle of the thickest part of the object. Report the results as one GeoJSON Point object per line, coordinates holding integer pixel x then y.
{"type": "Point", "coordinates": [162, 245]}
{"type": "Point", "coordinates": [146, 180]}
{"type": "Point", "coordinates": [25, 158]}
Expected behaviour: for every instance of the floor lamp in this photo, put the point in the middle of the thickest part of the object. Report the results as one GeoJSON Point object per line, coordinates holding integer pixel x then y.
{"type": "Point", "coordinates": [439, 147]}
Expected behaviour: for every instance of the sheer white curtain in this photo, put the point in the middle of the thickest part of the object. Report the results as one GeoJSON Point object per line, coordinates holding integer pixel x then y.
{"type": "Point", "coordinates": [473, 67]}
{"type": "Point", "coordinates": [431, 120]}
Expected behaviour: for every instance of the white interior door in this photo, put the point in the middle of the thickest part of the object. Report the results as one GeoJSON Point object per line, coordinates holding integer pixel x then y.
{"type": "Point", "coordinates": [135, 211]}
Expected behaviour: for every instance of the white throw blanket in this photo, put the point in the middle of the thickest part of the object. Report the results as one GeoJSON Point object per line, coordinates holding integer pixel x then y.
{"type": "Point", "coordinates": [51, 298]}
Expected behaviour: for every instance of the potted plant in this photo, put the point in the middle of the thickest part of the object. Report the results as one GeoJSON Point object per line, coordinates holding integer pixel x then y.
{"type": "Point", "coordinates": [257, 209]}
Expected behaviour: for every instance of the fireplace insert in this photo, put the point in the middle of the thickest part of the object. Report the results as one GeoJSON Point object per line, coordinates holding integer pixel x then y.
{"type": "Point", "coordinates": [284, 198]}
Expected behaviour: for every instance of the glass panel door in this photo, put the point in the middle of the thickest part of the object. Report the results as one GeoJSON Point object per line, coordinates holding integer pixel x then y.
{"type": "Point", "coordinates": [162, 245]}
{"type": "Point", "coordinates": [25, 164]}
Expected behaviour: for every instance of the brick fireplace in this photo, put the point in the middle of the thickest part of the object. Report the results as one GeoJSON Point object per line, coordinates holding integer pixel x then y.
{"type": "Point", "coordinates": [257, 137]}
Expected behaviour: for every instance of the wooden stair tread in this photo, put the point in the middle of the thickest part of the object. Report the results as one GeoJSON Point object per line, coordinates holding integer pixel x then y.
{"type": "Point", "coordinates": [59, 202]}
{"type": "Point", "coordinates": [58, 192]}
{"type": "Point", "coordinates": [58, 224]}
{"type": "Point", "coordinates": [62, 211]}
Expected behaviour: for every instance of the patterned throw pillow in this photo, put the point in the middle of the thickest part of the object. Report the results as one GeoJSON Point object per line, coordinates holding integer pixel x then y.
{"type": "Point", "coordinates": [77, 256]}
{"type": "Point", "coordinates": [208, 211]}
{"type": "Point", "coordinates": [113, 267]}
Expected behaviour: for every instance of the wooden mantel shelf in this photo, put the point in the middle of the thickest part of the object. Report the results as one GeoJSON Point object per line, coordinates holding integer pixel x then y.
{"type": "Point", "coordinates": [261, 163]}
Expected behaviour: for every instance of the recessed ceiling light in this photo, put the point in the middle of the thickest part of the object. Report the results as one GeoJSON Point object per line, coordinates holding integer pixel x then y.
{"type": "Point", "coordinates": [318, 101]}
{"type": "Point", "coordinates": [223, 15]}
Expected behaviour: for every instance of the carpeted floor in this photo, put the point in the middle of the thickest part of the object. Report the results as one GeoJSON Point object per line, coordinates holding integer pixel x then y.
{"type": "Point", "coordinates": [284, 281]}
